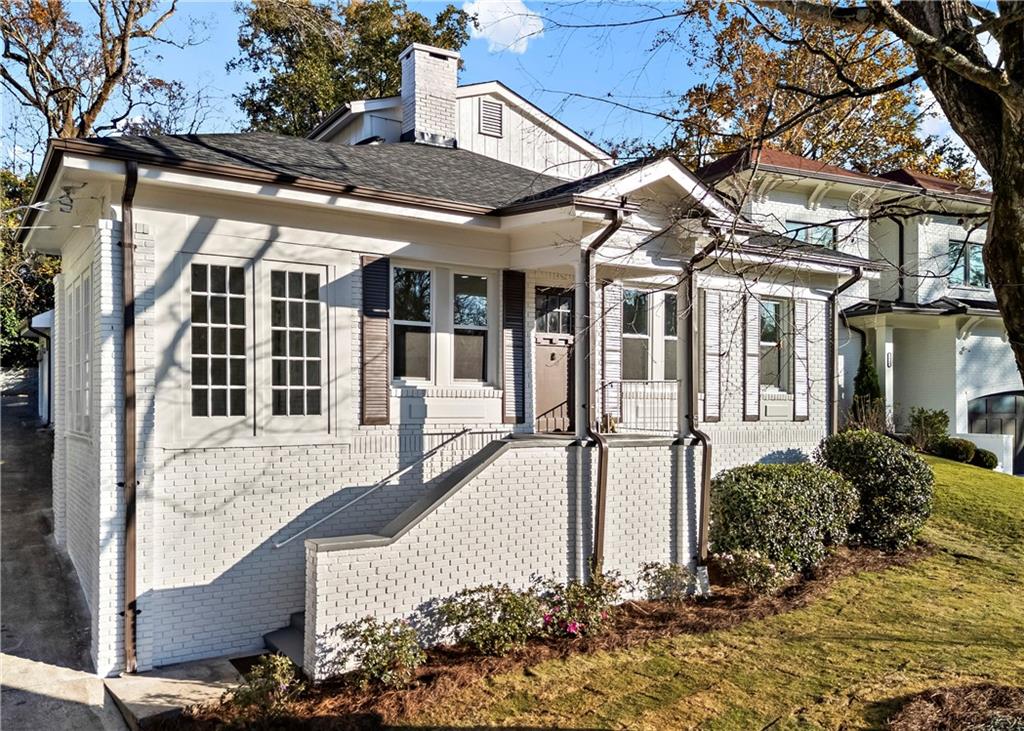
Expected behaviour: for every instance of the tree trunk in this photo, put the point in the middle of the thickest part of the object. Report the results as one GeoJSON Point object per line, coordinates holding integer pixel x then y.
{"type": "Point", "coordinates": [1004, 250]}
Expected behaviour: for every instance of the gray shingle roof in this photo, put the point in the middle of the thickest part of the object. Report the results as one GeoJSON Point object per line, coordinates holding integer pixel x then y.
{"type": "Point", "coordinates": [786, 245]}
{"type": "Point", "coordinates": [404, 168]}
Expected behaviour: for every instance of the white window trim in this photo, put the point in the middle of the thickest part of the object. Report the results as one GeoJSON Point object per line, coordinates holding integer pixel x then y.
{"type": "Point", "coordinates": [267, 421]}
{"type": "Point", "coordinates": [80, 321]}
{"type": "Point", "coordinates": [965, 265]}
{"type": "Point", "coordinates": [195, 428]}
{"type": "Point", "coordinates": [785, 345]}
{"type": "Point", "coordinates": [491, 341]}
{"type": "Point", "coordinates": [803, 232]}
{"type": "Point", "coordinates": [634, 336]}
{"type": "Point", "coordinates": [431, 359]}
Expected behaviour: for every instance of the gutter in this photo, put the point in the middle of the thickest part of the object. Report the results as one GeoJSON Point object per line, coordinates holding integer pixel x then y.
{"type": "Point", "coordinates": [900, 258]}
{"type": "Point", "coordinates": [601, 510]}
{"type": "Point", "coordinates": [131, 611]}
{"type": "Point", "coordinates": [49, 368]}
{"type": "Point", "coordinates": [833, 304]}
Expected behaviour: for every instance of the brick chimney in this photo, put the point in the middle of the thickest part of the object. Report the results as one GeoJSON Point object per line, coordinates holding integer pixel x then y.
{"type": "Point", "coordinates": [429, 78]}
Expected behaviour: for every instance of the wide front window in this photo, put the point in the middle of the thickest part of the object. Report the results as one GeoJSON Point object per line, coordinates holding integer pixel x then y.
{"type": "Point", "coordinates": [773, 348]}
{"type": "Point", "coordinates": [815, 234]}
{"type": "Point", "coordinates": [412, 327]}
{"type": "Point", "coordinates": [635, 336]}
{"type": "Point", "coordinates": [966, 265]}
{"type": "Point", "coordinates": [218, 308]}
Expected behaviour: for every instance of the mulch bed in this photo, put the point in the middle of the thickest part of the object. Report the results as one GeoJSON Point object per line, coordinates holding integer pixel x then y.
{"type": "Point", "coordinates": [342, 705]}
{"type": "Point", "coordinates": [982, 707]}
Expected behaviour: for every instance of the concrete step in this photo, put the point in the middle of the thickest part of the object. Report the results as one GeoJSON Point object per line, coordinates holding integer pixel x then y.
{"type": "Point", "coordinates": [288, 641]}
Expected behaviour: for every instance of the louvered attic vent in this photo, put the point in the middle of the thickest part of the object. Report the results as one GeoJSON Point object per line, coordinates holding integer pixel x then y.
{"type": "Point", "coordinates": [491, 116]}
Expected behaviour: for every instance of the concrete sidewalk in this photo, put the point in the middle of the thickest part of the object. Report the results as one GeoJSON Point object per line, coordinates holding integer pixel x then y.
{"type": "Point", "coordinates": [45, 669]}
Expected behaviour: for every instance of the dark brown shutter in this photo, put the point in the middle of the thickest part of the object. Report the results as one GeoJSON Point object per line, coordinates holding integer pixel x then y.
{"type": "Point", "coordinates": [513, 307]}
{"type": "Point", "coordinates": [376, 366]}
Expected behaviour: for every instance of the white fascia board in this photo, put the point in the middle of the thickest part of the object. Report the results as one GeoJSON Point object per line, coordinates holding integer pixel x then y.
{"type": "Point", "coordinates": [514, 100]}
{"type": "Point", "coordinates": [284, 194]}
{"type": "Point", "coordinates": [665, 169]}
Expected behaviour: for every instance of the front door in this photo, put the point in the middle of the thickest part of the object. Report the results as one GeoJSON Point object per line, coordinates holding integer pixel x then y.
{"type": "Point", "coordinates": [554, 365]}
{"type": "Point", "coordinates": [1001, 413]}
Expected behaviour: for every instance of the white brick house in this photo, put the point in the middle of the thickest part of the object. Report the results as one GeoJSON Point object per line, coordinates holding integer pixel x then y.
{"type": "Point", "coordinates": [352, 378]}
{"type": "Point", "coordinates": [930, 319]}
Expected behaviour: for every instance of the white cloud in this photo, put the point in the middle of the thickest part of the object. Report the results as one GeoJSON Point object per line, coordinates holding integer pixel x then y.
{"type": "Point", "coordinates": [934, 122]}
{"type": "Point", "coordinates": [507, 25]}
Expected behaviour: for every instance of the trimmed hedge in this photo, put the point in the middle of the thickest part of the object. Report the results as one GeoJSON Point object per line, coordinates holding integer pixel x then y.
{"type": "Point", "coordinates": [895, 486]}
{"type": "Point", "coordinates": [985, 459]}
{"type": "Point", "coordinates": [787, 513]}
{"type": "Point", "coordinates": [958, 450]}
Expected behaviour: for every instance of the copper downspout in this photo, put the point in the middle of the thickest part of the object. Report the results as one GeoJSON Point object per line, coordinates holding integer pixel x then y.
{"type": "Point", "coordinates": [833, 303]}
{"type": "Point", "coordinates": [131, 179]}
{"type": "Point", "coordinates": [601, 510]}
{"type": "Point", "coordinates": [701, 437]}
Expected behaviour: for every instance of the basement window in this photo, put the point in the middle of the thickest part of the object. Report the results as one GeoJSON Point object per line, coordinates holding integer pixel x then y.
{"type": "Point", "coordinates": [491, 117]}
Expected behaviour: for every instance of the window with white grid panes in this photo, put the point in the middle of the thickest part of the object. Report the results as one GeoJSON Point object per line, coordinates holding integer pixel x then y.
{"type": "Point", "coordinates": [218, 308]}
{"type": "Point", "coordinates": [296, 332]}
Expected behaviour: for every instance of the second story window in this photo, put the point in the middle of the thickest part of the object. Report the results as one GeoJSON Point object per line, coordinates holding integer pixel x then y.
{"type": "Point", "coordinates": [815, 234]}
{"type": "Point", "coordinates": [966, 265]}
{"type": "Point", "coordinates": [635, 336]}
{"type": "Point", "coordinates": [773, 350]}
{"type": "Point", "coordinates": [412, 324]}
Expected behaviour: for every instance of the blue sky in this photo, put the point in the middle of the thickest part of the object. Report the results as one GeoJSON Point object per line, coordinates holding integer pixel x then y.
{"type": "Point", "coordinates": [523, 45]}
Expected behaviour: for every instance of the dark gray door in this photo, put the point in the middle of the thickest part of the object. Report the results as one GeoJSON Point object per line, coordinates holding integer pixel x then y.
{"type": "Point", "coordinates": [554, 369]}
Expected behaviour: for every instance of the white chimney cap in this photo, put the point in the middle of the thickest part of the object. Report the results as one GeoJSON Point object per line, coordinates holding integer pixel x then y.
{"type": "Point", "coordinates": [433, 50]}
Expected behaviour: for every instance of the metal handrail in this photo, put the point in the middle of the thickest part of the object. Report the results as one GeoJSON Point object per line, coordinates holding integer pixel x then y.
{"type": "Point", "coordinates": [376, 486]}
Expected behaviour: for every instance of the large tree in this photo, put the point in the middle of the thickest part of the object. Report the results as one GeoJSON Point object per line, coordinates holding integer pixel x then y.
{"type": "Point", "coordinates": [981, 94]}
{"type": "Point", "coordinates": [79, 80]}
{"type": "Point", "coordinates": [313, 57]}
{"type": "Point", "coordinates": [757, 75]}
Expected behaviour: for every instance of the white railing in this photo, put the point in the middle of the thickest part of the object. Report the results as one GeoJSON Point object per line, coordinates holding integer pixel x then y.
{"type": "Point", "coordinates": [647, 407]}
{"type": "Point", "coordinates": [376, 486]}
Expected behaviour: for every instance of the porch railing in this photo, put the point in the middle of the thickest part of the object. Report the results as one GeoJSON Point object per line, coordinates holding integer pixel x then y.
{"type": "Point", "coordinates": [643, 407]}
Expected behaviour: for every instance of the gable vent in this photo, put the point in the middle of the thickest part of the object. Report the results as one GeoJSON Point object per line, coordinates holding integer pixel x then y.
{"type": "Point", "coordinates": [491, 116]}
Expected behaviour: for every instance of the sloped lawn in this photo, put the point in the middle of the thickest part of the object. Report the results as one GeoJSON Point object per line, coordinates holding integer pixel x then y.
{"type": "Point", "coordinates": [848, 660]}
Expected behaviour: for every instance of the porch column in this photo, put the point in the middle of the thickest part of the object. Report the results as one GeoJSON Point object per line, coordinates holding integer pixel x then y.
{"type": "Point", "coordinates": [884, 359]}
{"type": "Point", "coordinates": [684, 342]}
{"type": "Point", "coordinates": [581, 347]}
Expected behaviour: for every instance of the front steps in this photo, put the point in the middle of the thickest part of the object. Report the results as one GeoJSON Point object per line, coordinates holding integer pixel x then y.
{"type": "Point", "coordinates": [289, 641]}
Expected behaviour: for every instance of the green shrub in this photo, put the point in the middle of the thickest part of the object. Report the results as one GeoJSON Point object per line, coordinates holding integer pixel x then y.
{"type": "Point", "coordinates": [895, 486]}
{"type": "Point", "coordinates": [784, 514]}
{"type": "Point", "coordinates": [493, 620]}
{"type": "Point", "coordinates": [927, 427]}
{"type": "Point", "coordinates": [267, 689]}
{"type": "Point", "coordinates": [752, 571]}
{"type": "Point", "coordinates": [958, 450]}
{"type": "Point", "coordinates": [577, 608]}
{"type": "Point", "coordinates": [984, 458]}
{"type": "Point", "coordinates": [669, 582]}
{"type": "Point", "coordinates": [384, 652]}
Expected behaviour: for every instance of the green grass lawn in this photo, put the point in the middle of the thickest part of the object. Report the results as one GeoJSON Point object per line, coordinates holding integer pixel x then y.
{"type": "Point", "coordinates": [845, 661]}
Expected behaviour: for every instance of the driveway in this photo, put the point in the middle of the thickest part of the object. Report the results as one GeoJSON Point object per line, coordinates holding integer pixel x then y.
{"type": "Point", "coordinates": [45, 669]}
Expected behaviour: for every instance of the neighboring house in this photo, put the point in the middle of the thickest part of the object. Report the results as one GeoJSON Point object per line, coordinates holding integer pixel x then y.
{"type": "Point", "coordinates": [930, 320]}
{"type": "Point", "coordinates": [299, 381]}
{"type": "Point", "coordinates": [40, 328]}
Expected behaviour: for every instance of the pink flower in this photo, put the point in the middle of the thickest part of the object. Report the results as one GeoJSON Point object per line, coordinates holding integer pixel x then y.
{"type": "Point", "coordinates": [547, 619]}
{"type": "Point", "coordinates": [573, 628]}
